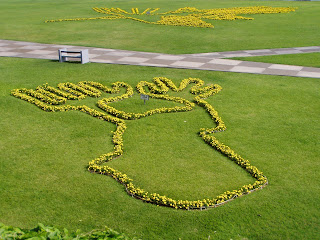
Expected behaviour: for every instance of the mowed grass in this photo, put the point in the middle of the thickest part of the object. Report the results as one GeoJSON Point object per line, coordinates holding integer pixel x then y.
{"type": "Point", "coordinates": [272, 121]}
{"type": "Point", "coordinates": [24, 20]}
{"type": "Point", "coordinates": [303, 59]}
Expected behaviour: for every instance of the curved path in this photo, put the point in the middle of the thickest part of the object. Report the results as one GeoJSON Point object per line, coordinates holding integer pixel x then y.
{"type": "Point", "coordinates": [204, 61]}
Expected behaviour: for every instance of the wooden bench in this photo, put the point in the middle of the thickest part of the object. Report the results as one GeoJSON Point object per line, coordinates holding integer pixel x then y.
{"type": "Point", "coordinates": [64, 54]}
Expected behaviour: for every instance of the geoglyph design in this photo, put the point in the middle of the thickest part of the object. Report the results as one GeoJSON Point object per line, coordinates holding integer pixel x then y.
{"type": "Point", "coordinates": [54, 99]}
{"type": "Point", "coordinates": [187, 16]}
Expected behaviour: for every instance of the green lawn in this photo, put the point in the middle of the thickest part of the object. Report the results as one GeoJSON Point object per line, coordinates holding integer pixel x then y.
{"type": "Point", "coordinates": [271, 120]}
{"type": "Point", "coordinates": [24, 20]}
{"type": "Point", "coordinates": [303, 59]}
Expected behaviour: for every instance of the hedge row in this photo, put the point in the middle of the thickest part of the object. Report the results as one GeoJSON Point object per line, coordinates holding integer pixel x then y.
{"type": "Point", "coordinates": [47, 232]}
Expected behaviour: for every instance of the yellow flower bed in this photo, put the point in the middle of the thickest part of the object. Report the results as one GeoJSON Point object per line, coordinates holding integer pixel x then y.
{"type": "Point", "coordinates": [51, 99]}
{"type": "Point", "coordinates": [189, 21]}
{"type": "Point", "coordinates": [187, 16]}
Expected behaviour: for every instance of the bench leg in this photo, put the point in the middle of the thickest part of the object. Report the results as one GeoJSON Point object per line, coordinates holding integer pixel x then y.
{"type": "Point", "coordinates": [84, 56]}
{"type": "Point", "coordinates": [61, 59]}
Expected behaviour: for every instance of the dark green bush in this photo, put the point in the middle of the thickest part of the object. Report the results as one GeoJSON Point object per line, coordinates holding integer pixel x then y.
{"type": "Point", "coordinates": [41, 232]}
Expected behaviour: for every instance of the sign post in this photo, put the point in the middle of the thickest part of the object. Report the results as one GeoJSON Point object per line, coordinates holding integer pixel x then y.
{"type": "Point", "coordinates": [144, 97]}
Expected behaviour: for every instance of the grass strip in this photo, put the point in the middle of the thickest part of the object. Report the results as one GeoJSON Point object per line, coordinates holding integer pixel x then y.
{"type": "Point", "coordinates": [303, 59]}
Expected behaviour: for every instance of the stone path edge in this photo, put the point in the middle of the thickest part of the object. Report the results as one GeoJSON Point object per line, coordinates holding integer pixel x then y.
{"type": "Point", "coordinates": [204, 61]}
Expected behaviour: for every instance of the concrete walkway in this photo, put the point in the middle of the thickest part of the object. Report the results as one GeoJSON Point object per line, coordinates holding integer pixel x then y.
{"type": "Point", "coordinates": [203, 61]}
{"type": "Point", "coordinates": [259, 52]}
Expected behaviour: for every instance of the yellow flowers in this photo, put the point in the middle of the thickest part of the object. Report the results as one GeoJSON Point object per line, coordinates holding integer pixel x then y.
{"type": "Point", "coordinates": [135, 11]}
{"type": "Point", "coordinates": [187, 16]}
{"type": "Point", "coordinates": [51, 99]}
{"type": "Point", "coordinates": [189, 21]}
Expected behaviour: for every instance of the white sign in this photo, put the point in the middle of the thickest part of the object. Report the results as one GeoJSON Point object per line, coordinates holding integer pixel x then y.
{"type": "Point", "coordinates": [144, 97]}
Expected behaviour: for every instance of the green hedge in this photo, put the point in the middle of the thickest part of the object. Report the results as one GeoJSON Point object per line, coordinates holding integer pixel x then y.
{"type": "Point", "coordinates": [47, 232]}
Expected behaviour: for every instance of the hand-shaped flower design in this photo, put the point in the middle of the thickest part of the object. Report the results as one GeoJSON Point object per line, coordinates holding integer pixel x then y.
{"type": "Point", "coordinates": [51, 99]}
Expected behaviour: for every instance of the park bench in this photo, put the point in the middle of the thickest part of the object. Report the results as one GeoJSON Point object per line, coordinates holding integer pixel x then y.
{"type": "Point", "coordinates": [64, 54]}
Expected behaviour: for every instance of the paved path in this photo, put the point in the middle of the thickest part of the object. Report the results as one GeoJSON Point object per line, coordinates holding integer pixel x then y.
{"type": "Point", "coordinates": [259, 52]}
{"type": "Point", "coordinates": [202, 61]}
